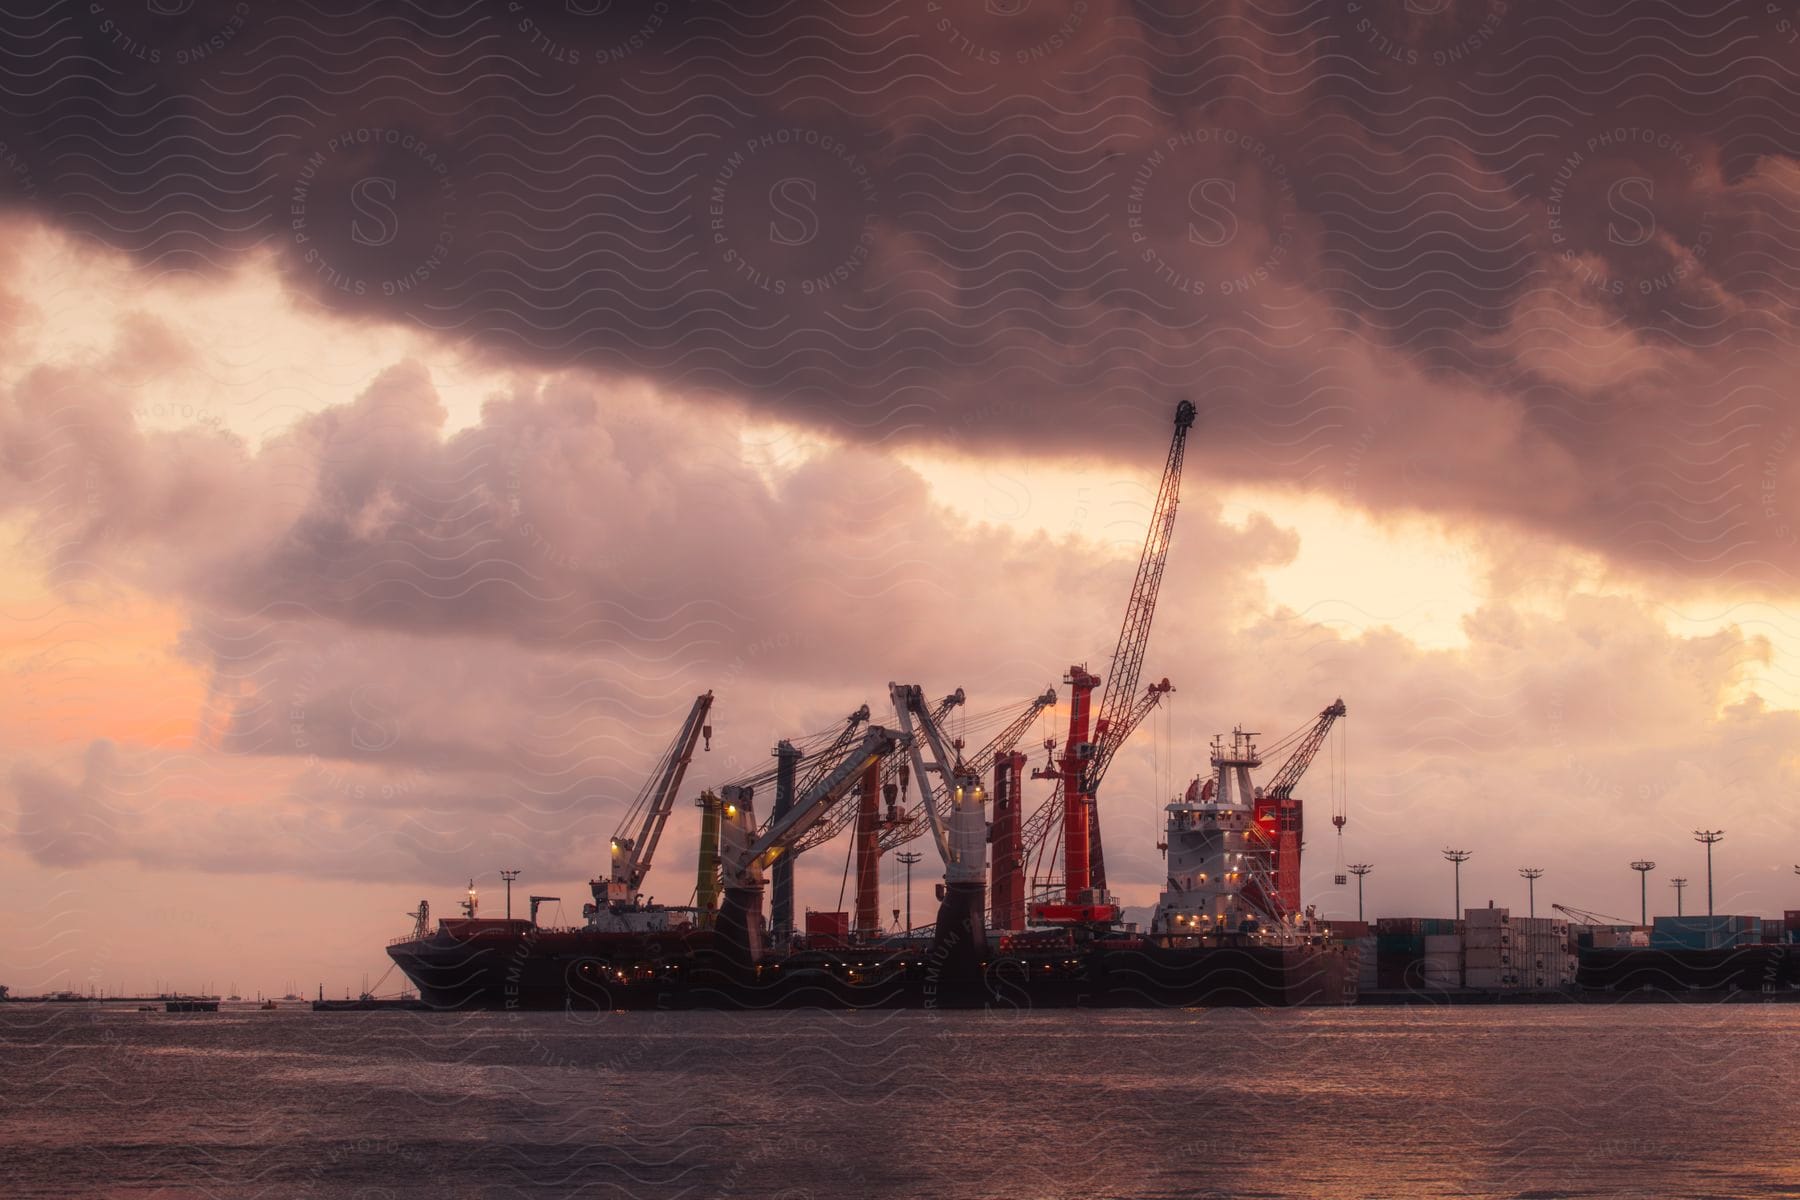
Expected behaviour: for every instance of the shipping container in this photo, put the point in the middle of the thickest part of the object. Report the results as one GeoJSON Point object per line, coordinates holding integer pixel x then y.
{"type": "Point", "coordinates": [827, 924]}
{"type": "Point", "coordinates": [1705, 933]}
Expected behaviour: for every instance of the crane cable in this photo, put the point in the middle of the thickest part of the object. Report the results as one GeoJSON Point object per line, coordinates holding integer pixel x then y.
{"type": "Point", "coordinates": [843, 883]}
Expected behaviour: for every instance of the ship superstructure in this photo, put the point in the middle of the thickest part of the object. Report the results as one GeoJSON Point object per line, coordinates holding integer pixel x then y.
{"type": "Point", "coordinates": [1220, 860]}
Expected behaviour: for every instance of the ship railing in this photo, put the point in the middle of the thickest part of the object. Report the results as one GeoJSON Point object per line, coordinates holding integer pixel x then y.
{"type": "Point", "coordinates": [416, 935]}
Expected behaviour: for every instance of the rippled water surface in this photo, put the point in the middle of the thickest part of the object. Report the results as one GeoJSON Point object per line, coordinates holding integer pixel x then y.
{"type": "Point", "coordinates": [1651, 1101]}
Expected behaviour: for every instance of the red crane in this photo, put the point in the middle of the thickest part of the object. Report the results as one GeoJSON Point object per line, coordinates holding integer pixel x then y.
{"type": "Point", "coordinates": [1280, 816]}
{"type": "Point", "coordinates": [1048, 816]}
{"type": "Point", "coordinates": [1089, 747]}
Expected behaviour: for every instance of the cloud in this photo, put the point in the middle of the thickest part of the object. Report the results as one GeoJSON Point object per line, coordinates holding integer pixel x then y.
{"type": "Point", "coordinates": [63, 822]}
{"type": "Point", "coordinates": [422, 648]}
{"type": "Point", "coordinates": [740, 268]}
{"type": "Point", "coordinates": [1029, 228]}
{"type": "Point", "coordinates": [401, 629]}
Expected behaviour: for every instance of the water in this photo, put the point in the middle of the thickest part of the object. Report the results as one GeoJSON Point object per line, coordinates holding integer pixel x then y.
{"type": "Point", "coordinates": [1640, 1101]}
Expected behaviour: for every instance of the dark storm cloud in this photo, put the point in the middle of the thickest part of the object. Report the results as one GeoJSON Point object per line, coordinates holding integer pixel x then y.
{"type": "Point", "coordinates": [1524, 260]}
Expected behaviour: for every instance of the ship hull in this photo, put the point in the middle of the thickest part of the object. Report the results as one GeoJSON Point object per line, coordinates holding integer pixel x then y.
{"type": "Point", "coordinates": [579, 970]}
{"type": "Point", "coordinates": [1637, 972]}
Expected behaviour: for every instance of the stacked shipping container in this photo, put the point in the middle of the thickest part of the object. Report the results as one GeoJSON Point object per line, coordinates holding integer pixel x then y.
{"type": "Point", "coordinates": [1705, 933]}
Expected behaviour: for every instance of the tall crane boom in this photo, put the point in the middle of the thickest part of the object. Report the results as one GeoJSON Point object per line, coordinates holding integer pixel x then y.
{"type": "Point", "coordinates": [649, 812]}
{"type": "Point", "coordinates": [1119, 696]}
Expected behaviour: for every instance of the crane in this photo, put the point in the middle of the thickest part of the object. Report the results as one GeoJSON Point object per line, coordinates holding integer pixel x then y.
{"type": "Point", "coordinates": [979, 763]}
{"type": "Point", "coordinates": [1088, 752]}
{"type": "Point", "coordinates": [893, 770]}
{"type": "Point", "coordinates": [818, 747]}
{"type": "Point", "coordinates": [959, 940]}
{"type": "Point", "coordinates": [875, 835]}
{"type": "Point", "coordinates": [746, 850]}
{"type": "Point", "coordinates": [820, 762]}
{"type": "Point", "coordinates": [1585, 917]}
{"type": "Point", "coordinates": [1280, 816]}
{"type": "Point", "coordinates": [789, 783]}
{"type": "Point", "coordinates": [1048, 816]}
{"type": "Point", "coordinates": [648, 813]}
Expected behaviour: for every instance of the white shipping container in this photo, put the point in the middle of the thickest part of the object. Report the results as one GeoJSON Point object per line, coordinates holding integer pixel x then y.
{"type": "Point", "coordinates": [1485, 917]}
{"type": "Point", "coordinates": [1478, 957]}
{"type": "Point", "coordinates": [1442, 942]}
{"type": "Point", "coordinates": [1489, 977]}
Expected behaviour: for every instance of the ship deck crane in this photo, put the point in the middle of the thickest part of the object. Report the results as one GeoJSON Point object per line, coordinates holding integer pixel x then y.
{"type": "Point", "coordinates": [893, 771]}
{"type": "Point", "coordinates": [634, 844]}
{"type": "Point", "coordinates": [791, 782]}
{"type": "Point", "coordinates": [1047, 818]}
{"type": "Point", "coordinates": [1279, 815]}
{"type": "Point", "coordinates": [959, 936]}
{"type": "Point", "coordinates": [1088, 750]}
{"type": "Point", "coordinates": [820, 751]}
{"type": "Point", "coordinates": [979, 763]}
{"type": "Point", "coordinates": [747, 850]}
{"type": "Point", "coordinates": [819, 763]}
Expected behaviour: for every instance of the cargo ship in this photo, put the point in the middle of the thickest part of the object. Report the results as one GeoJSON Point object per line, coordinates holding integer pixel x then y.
{"type": "Point", "coordinates": [1228, 928]}
{"type": "Point", "coordinates": [1217, 936]}
{"type": "Point", "coordinates": [1696, 959]}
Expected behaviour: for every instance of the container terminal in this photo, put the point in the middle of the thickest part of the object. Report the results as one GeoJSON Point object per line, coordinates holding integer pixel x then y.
{"type": "Point", "coordinates": [1025, 917]}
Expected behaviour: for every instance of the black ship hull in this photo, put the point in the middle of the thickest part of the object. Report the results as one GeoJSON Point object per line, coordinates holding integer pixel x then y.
{"type": "Point", "coordinates": [1754, 972]}
{"type": "Point", "coordinates": [527, 969]}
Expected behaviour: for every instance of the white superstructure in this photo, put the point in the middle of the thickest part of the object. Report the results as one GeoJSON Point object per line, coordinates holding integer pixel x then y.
{"type": "Point", "coordinates": [1219, 860]}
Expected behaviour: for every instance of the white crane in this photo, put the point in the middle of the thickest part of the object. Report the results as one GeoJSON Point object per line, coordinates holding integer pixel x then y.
{"type": "Point", "coordinates": [746, 852]}
{"type": "Point", "coordinates": [959, 940]}
{"type": "Point", "coordinates": [618, 904]}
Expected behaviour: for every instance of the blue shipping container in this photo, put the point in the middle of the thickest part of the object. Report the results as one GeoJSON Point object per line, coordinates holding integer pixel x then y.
{"type": "Point", "coordinates": [1705, 933]}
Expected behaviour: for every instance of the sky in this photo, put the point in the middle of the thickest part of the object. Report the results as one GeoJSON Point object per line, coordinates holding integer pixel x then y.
{"type": "Point", "coordinates": [407, 409]}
